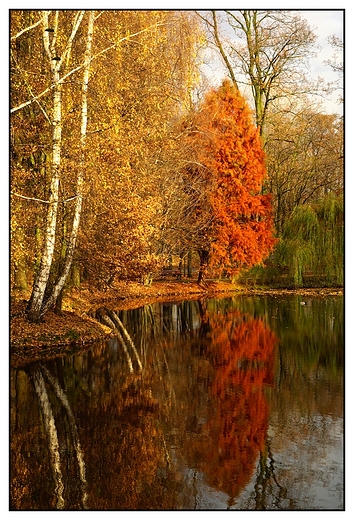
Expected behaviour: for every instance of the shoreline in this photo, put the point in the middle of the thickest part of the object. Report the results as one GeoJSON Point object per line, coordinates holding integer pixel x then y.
{"type": "Point", "coordinates": [75, 329]}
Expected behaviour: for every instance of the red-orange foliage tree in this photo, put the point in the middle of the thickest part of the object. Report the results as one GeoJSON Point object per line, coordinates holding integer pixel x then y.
{"type": "Point", "coordinates": [228, 149]}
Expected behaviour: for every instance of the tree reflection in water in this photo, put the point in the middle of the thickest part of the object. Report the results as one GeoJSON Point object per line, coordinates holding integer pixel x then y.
{"type": "Point", "coordinates": [172, 414]}
{"type": "Point", "coordinates": [59, 432]}
{"type": "Point", "coordinates": [241, 351]}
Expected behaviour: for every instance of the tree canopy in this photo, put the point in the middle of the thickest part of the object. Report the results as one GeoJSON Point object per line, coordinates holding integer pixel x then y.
{"type": "Point", "coordinates": [228, 150]}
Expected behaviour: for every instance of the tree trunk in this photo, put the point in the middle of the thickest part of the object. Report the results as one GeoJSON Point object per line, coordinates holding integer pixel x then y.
{"type": "Point", "coordinates": [20, 275]}
{"type": "Point", "coordinates": [37, 305]}
{"type": "Point", "coordinates": [75, 275]}
{"type": "Point", "coordinates": [204, 260]}
{"type": "Point", "coordinates": [58, 287]}
{"type": "Point", "coordinates": [221, 50]}
{"type": "Point", "coordinates": [189, 264]}
{"type": "Point", "coordinates": [41, 280]}
{"type": "Point", "coordinates": [59, 302]}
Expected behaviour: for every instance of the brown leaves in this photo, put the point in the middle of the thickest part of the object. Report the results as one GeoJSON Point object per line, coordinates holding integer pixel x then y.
{"type": "Point", "coordinates": [51, 337]}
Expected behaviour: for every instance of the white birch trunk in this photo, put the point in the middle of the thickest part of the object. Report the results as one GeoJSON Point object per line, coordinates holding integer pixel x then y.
{"type": "Point", "coordinates": [37, 307]}
{"type": "Point", "coordinates": [80, 176]}
{"type": "Point", "coordinates": [41, 280]}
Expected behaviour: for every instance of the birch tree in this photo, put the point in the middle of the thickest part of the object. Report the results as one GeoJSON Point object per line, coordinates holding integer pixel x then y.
{"type": "Point", "coordinates": [58, 287]}
{"type": "Point", "coordinates": [37, 306]}
{"type": "Point", "coordinates": [141, 70]}
{"type": "Point", "coordinates": [134, 174]}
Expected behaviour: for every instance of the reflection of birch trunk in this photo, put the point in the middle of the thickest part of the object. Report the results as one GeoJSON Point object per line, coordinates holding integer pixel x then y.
{"type": "Point", "coordinates": [170, 386]}
{"type": "Point", "coordinates": [127, 337]}
{"type": "Point", "coordinates": [129, 359]}
{"type": "Point", "coordinates": [111, 319]}
{"type": "Point", "coordinates": [51, 430]}
{"type": "Point", "coordinates": [104, 318]}
{"type": "Point", "coordinates": [73, 430]}
{"type": "Point", "coordinates": [167, 455]}
{"type": "Point", "coordinates": [148, 326]}
{"type": "Point", "coordinates": [162, 367]}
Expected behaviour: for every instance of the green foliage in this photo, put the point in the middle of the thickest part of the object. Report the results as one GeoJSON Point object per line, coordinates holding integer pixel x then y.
{"type": "Point", "coordinates": [298, 255]}
{"type": "Point", "coordinates": [302, 225]}
{"type": "Point", "coordinates": [310, 251]}
{"type": "Point", "coordinates": [313, 242]}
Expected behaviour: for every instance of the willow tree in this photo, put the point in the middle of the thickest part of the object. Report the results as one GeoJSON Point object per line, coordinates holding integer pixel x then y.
{"type": "Point", "coordinates": [304, 159]}
{"type": "Point", "coordinates": [313, 242]}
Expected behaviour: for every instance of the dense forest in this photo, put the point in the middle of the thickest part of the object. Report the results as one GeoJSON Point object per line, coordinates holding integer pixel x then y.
{"type": "Point", "coordinates": [125, 161]}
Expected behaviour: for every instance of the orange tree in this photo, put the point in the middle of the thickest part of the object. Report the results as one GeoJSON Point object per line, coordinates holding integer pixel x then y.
{"type": "Point", "coordinates": [227, 149]}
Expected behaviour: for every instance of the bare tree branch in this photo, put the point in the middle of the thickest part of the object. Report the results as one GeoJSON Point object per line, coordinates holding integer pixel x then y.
{"type": "Point", "coordinates": [42, 200]}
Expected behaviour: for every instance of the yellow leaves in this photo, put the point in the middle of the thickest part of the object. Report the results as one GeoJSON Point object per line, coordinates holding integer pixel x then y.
{"type": "Point", "coordinates": [136, 91]}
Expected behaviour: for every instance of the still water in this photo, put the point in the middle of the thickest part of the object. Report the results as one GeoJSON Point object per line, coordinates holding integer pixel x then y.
{"type": "Point", "coordinates": [233, 403]}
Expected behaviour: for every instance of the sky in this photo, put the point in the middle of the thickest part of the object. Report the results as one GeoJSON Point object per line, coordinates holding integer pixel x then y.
{"type": "Point", "coordinates": [325, 23]}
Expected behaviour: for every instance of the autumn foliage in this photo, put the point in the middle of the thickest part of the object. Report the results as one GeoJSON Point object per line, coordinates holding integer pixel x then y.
{"type": "Point", "coordinates": [242, 351]}
{"type": "Point", "coordinates": [153, 176]}
{"type": "Point", "coordinates": [228, 149]}
{"type": "Point", "coordinates": [148, 189]}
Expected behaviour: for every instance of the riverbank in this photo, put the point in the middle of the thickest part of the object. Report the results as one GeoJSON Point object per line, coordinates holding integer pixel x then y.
{"type": "Point", "coordinates": [75, 329]}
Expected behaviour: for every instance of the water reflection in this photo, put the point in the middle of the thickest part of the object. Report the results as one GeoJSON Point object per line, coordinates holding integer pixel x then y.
{"type": "Point", "coordinates": [241, 351]}
{"type": "Point", "coordinates": [230, 403]}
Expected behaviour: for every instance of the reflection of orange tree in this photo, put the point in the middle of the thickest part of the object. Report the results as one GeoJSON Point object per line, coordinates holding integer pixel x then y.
{"type": "Point", "coordinates": [242, 352]}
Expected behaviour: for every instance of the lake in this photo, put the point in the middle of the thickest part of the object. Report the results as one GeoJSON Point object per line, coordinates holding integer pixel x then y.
{"type": "Point", "coordinates": [230, 403]}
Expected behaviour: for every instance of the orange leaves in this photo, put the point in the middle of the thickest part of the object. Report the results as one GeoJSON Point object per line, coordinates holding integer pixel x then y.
{"type": "Point", "coordinates": [229, 146]}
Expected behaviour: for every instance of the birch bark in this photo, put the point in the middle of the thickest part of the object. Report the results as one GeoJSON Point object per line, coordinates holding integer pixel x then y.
{"type": "Point", "coordinates": [80, 176]}
{"type": "Point", "coordinates": [41, 280]}
{"type": "Point", "coordinates": [36, 305]}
